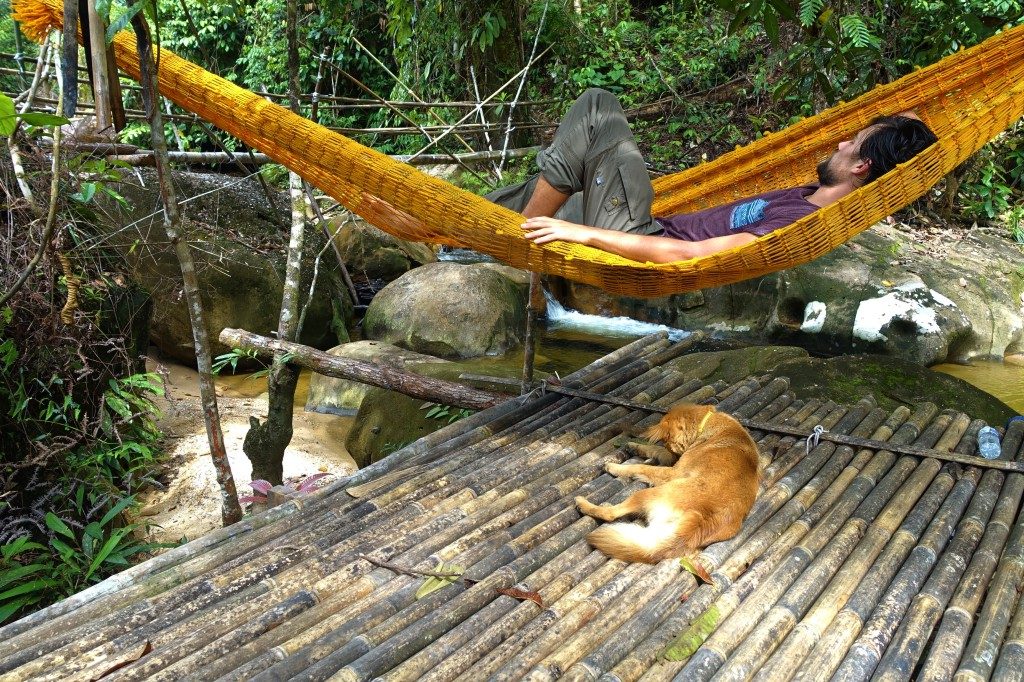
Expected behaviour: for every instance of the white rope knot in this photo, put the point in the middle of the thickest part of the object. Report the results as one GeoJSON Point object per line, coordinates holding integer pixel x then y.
{"type": "Point", "coordinates": [812, 440]}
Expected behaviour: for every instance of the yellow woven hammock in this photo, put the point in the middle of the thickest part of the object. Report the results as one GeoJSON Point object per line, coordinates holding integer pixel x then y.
{"type": "Point", "coordinates": [967, 99]}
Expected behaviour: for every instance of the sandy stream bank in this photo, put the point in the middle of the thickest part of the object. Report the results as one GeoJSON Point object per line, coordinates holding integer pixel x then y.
{"type": "Point", "coordinates": [190, 506]}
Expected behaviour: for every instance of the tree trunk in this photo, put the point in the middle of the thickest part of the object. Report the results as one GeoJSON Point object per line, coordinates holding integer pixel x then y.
{"type": "Point", "coordinates": [265, 443]}
{"type": "Point", "coordinates": [69, 59]}
{"type": "Point", "coordinates": [100, 72]}
{"type": "Point", "coordinates": [426, 388]}
{"type": "Point", "coordinates": [231, 511]}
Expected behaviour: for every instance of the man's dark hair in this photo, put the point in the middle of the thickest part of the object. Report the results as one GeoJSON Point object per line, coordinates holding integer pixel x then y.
{"type": "Point", "coordinates": [895, 139]}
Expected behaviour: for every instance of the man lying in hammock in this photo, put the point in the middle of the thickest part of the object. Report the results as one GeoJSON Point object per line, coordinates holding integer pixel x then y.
{"type": "Point", "coordinates": [593, 188]}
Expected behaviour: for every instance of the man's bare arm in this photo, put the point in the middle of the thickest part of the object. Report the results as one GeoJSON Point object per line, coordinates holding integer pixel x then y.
{"type": "Point", "coordinates": [643, 248]}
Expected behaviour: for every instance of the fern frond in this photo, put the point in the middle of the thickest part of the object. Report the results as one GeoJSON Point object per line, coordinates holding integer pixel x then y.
{"type": "Point", "coordinates": [856, 31]}
{"type": "Point", "coordinates": [810, 10]}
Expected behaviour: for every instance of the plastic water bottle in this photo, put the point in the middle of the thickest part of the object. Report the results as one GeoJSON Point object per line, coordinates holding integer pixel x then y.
{"type": "Point", "coordinates": [988, 443]}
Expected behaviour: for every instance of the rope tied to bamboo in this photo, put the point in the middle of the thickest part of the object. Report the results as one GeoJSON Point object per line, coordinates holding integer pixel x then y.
{"type": "Point", "coordinates": [813, 438]}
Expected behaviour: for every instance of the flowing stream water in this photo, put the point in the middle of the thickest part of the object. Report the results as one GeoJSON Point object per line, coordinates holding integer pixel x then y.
{"type": "Point", "coordinates": [569, 335]}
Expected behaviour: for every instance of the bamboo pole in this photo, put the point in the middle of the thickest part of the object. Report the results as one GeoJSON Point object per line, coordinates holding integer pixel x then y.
{"type": "Point", "coordinates": [609, 361]}
{"type": "Point", "coordinates": [499, 503]}
{"type": "Point", "coordinates": [100, 72]}
{"type": "Point", "coordinates": [155, 663]}
{"type": "Point", "coordinates": [1004, 589]}
{"type": "Point", "coordinates": [145, 158]}
{"type": "Point", "coordinates": [951, 637]}
{"type": "Point", "coordinates": [866, 651]}
{"type": "Point", "coordinates": [426, 388]}
{"type": "Point", "coordinates": [863, 494]}
{"type": "Point", "coordinates": [901, 513]}
{"type": "Point", "coordinates": [650, 648]}
{"type": "Point", "coordinates": [919, 528]}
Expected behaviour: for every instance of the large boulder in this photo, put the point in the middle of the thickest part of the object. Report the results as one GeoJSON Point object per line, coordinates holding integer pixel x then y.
{"type": "Point", "coordinates": [239, 244]}
{"type": "Point", "coordinates": [374, 255]}
{"type": "Point", "coordinates": [387, 420]}
{"type": "Point", "coordinates": [882, 292]}
{"type": "Point", "coordinates": [343, 396]}
{"type": "Point", "coordinates": [450, 310]}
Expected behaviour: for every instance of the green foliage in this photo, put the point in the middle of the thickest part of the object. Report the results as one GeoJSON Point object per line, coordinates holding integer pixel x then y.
{"type": "Point", "coordinates": [446, 412]}
{"type": "Point", "coordinates": [447, 574]}
{"type": "Point", "coordinates": [841, 48]}
{"type": "Point", "coordinates": [72, 556]}
{"type": "Point", "coordinates": [97, 176]}
{"type": "Point", "coordinates": [1015, 223]}
{"type": "Point", "coordinates": [10, 117]}
{"type": "Point", "coordinates": [986, 195]}
{"type": "Point", "coordinates": [992, 189]}
{"type": "Point", "coordinates": [232, 358]}
{"type": "Point", "coordinates": [668, 53]}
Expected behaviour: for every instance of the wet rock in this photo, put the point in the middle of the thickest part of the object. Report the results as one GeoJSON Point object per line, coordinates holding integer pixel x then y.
{"type": "Point", "coordinates": [846, 379]}
{"type": "Point", "coordinates": [387, 421]}
{"type": "Point", "coordinates": [372, 254]}
{"type": "Point", "coordinates": [881, 293]}
{"type": "Point", "coordinates": [239, 246]}
{"type": "Point", "coordinates": [341, 396]}
{"type": "Point", "coordinates": [450, 311]}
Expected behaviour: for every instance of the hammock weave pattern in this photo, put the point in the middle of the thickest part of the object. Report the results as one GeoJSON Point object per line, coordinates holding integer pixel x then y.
{"type": "Point", "coordinates": [966, 99]}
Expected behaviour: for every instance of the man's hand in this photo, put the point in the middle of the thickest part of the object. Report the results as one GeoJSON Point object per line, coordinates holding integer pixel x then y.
{"type": "Point", "coordinates": [541, 230]}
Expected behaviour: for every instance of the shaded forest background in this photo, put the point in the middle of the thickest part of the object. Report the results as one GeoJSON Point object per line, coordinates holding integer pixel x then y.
{"type": "Point", "coordinates": [697, 77]}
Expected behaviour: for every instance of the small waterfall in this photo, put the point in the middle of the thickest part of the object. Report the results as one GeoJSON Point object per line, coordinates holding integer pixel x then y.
{"type": "Point", "coordinates": [560, 318]}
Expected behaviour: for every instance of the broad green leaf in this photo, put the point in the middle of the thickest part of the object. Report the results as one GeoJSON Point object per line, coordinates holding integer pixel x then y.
{"type": "Point", "coordinates": [108, 547]}
{"type": "Point", "coordinates": [117, 509]}
{"type": "Point", "coordinates": [19, 572]}
{"type": "Point", "coordinates": [695, 569]}
{"type": "Point", "coordinates": [7, 115]}
{"type": "Point", "coordinates": [103, 9]}
{"type": "Point", "coordinates": [87, 192]}
{"type": "Point", "coordinates": [26, 588]}
{"type": "Point", "coordinates": [54, 523]}
{"type": "Point", "coordinates": [6, 610]}
{"type": "Point", "coordinates": [16, 547]}
{"type": "Point", "coordinates": [39, 118]}
{"type": "Point", "coordinates": [123, 20]}
{"type": "Point", "coordinates": [65, 550]}
{"type": "Point", "coordinates": [683, 646]}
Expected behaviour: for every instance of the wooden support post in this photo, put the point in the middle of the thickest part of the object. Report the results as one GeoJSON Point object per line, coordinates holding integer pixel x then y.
{"type": "Point", "coordinates": [533, 307]}
{"type": "Point", "coordinates": [100, 74]}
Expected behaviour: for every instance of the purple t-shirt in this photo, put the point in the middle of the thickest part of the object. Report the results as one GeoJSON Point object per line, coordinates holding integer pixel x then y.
{"type": "Point", "coordinates": [757, 215]}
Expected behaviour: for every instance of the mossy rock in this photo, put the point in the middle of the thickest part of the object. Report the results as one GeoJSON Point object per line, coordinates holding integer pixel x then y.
{"type": "Point", "coordinates": [373, 254]}
{"type": "Point", "coordinates": [332, 395]}
{"type": "Point", "coordinates": [733, 365]}
{"type": "Point", "coordinates": [846, 379]}
{"type": "Point", "coordinates": [892, 381]}
{"type": "Point", "coordinates": [450, 311]}
{"type": "Point", "coordinates": [388, 421]}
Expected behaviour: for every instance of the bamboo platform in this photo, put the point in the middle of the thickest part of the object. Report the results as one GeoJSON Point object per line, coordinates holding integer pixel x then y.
{"type": "Point", "coordinates": [855, 562]}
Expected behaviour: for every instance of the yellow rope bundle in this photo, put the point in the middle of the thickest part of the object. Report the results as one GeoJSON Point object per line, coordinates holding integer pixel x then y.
{"type": "Point", "coordinates": [967, 99]}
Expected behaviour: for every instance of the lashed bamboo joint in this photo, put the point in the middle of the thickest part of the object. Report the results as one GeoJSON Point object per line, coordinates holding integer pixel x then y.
{"type": "Point", "coordinates": [855, 561]}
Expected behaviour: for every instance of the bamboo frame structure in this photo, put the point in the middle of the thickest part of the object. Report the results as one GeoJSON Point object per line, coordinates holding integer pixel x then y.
{"type": "Point", "coordinates": [967, 98]}
{"type": "Point", "coordinates": [854, 561]}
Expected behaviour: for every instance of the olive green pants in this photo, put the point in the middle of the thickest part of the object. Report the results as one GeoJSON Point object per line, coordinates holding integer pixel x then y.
{"type": "Point", "coordinates": [595, 160]}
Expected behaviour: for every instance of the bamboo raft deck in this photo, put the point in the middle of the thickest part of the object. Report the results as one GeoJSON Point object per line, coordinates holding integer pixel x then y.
{"type": "Point", "coordinates": [855, 562]}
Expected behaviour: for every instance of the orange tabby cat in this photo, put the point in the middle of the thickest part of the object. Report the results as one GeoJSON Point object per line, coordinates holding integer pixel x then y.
{"type": "Point", "coordinates": [702, 498]}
